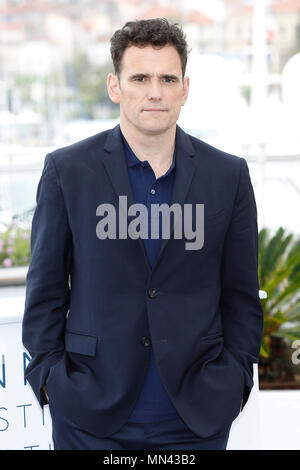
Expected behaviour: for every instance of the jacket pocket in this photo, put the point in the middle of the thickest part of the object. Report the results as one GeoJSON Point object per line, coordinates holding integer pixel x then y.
{"type": "Point", "coordinates": [80, 343]}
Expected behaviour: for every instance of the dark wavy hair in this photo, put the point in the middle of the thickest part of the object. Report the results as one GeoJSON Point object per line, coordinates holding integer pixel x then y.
{"type": "Point", "coordinates": [157, 32]}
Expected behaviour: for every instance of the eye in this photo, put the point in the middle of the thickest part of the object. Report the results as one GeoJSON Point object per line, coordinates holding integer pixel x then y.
{"type": "Point", "coordinates": [139, 79]}
{"type": "Point", "coordinates": [169, 80]}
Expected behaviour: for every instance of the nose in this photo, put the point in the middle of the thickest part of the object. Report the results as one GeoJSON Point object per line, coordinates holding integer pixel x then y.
{"type": "Point", "coordinates": [154, 90]}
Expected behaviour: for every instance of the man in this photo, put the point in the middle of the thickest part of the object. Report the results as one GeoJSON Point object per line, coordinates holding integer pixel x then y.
{"type": "Point", "coordinates": [143, 342]}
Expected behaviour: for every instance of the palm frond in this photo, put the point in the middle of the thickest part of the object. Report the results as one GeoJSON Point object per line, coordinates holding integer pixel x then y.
{"type": "Point", "coordinates": [279, 276]}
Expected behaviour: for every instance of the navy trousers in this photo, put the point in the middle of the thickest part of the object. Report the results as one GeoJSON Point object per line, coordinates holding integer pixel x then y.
{"type": "Point", "coordinates": [171, 434]}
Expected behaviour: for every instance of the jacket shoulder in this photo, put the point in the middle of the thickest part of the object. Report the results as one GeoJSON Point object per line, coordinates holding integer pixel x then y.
{"type": "Point", "coordinates": [211, 160]}
{"type": "Point", "coordinates": [214, 154]}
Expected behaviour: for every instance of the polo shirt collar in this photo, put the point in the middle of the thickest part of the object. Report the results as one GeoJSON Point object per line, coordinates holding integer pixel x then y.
{"type": "Point", "coordinates": [132, 159]}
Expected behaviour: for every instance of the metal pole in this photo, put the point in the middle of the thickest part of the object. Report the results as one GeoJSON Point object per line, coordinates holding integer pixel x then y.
{"type": "Point", "coordinates": [259, 93]}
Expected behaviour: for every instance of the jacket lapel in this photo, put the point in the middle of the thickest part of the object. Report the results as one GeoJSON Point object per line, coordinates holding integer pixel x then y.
{"type": "Point", "coordinates": [184, 171]}
{"type": "Point", "coordinates": [116, 167]}
{"type": "Point", "coordinates": [115, 164]}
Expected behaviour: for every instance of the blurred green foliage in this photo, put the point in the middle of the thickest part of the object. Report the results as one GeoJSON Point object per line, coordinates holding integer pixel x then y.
{"type": "Point", "coordinates": [279, 277]}
{"type": "Point", "coordinates": [14, 246]}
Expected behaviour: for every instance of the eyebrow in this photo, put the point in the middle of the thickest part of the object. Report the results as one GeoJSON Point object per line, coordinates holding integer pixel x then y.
{"type": "Point", "coordinates": [161, 75]}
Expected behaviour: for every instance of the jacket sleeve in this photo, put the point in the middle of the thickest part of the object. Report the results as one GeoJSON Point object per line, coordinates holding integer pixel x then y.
{"type": "Point", "coordinates": [47, 283]}
{"type": "Point", "coordinates": [241, 309]}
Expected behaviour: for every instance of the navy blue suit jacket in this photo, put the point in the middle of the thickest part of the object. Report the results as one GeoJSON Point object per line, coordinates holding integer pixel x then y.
{"type": "Point", "coordinates": [94, 307]}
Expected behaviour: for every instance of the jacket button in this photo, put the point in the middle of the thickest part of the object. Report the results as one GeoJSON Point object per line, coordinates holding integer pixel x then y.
{"type": "Point", "coordinates": [152, 292]}
{"type": "Point", "coordinates": [145, 341]}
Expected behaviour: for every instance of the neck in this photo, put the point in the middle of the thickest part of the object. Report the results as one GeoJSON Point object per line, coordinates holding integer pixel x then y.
{"type": "Point", "coordinates": [157, 149]}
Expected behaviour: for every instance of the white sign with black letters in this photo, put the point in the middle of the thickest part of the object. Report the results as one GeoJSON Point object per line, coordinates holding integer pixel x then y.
{"type": "Point", "coordinates": [23, 424]}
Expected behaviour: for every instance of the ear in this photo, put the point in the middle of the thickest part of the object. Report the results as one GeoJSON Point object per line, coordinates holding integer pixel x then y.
{"type": "Point", "coordinates": [185, 90]}
{"type": "Point", "coordinates": [113, 88]}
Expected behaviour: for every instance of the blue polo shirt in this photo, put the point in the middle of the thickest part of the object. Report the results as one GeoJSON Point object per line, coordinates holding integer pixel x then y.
{"type": "Point", "coordinates": [153, 403]}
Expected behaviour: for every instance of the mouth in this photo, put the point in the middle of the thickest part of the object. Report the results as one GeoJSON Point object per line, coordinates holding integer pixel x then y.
{"type": "Point", "coordinates": [155, 110]}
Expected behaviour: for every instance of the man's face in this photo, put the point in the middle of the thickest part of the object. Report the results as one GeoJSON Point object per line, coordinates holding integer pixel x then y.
{"type": "Point", "coordinates": [151, 90]}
